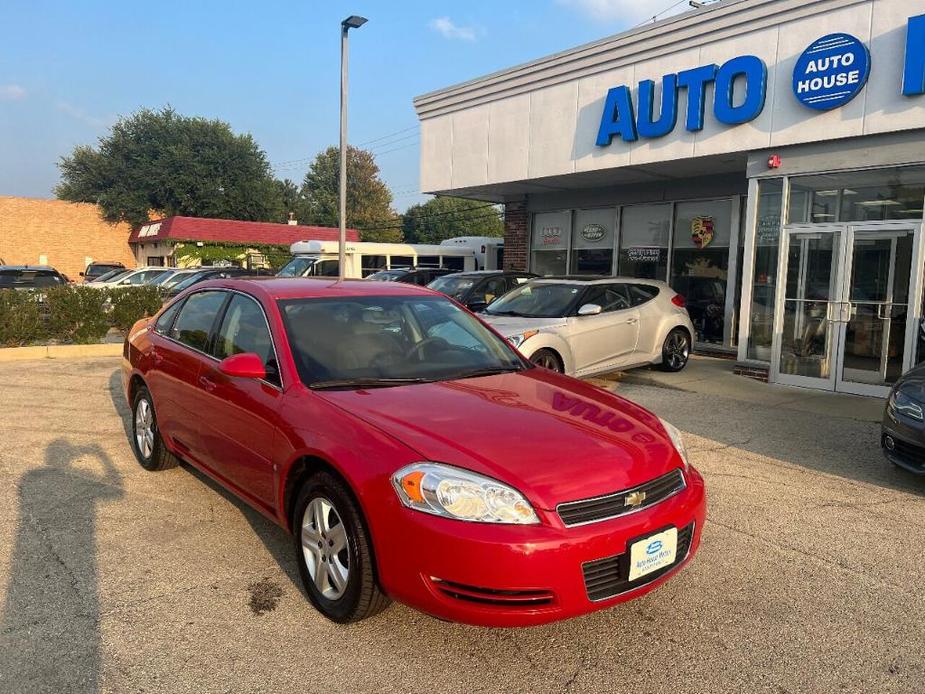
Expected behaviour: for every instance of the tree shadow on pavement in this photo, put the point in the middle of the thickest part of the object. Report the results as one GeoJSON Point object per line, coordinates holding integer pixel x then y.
{"type": "Point", "coordinates": [49, 631]}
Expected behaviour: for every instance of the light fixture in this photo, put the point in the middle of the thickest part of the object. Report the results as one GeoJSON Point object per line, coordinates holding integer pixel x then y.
{"type": "Point", "coordinates": [354, 22]}
{"type": "Point", "coordinates": [878, 203]}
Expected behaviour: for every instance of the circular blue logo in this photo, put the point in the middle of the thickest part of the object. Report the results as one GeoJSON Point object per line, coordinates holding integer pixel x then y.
{"type": "Point", "coordinates": [831, 72]}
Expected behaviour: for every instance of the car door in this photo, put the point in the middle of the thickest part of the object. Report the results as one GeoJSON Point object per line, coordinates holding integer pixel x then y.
{"type": "Point", "coordinates": [240, 416]}
{"type": "Point", "coordinates": [176, 393]}
{"type": "Point", "coordinates": [607, 339]}
{"type": "Point", "coordinates": [651, 319]}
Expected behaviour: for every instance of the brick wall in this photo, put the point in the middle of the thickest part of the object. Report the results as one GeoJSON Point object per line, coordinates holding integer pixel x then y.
{"type": "Point", "coordinates": [516, 235]}
{"type": "Point", "coordinates": [65, 233]}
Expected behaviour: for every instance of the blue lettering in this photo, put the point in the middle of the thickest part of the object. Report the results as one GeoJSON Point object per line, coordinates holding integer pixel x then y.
{"type": "Point", "coordinates": [914, 71]}
{"type": "Point", "coordinates": [755, 73]}
{"type": "Point", "coordinates": [668, 117]}
{"type": "Point", "coordinates": [696, 81]}
{"type": "Point", "coordinates": [617, 118]}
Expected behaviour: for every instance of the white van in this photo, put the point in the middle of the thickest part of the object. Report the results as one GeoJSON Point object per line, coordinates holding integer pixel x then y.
{"type": "Point", "coordinates": [319, 258]}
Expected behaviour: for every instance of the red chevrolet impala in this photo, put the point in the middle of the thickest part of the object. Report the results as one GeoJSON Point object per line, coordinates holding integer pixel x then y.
{"type": "Point", "coordinates": [412, 453]}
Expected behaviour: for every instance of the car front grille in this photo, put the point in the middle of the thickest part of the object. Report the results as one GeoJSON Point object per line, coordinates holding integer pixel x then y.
{"type": "Point", "coordinates": [613, 505]}
{"type": "Point", "coordinates": [608, 577]}
{"type": "Point", "coordinates": [908, 452]}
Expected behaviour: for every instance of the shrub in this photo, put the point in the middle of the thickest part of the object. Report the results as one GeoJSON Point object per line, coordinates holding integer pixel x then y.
{"type": "Point", "coordinates": [130, 304]}
{"type": "Point", "coordinates": [77, 314]}
{"type": "Point", "coordinates": [21, 321]}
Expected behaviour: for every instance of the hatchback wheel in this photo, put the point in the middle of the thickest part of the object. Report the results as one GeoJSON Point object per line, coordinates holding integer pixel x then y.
{"type": "Point", "coordinates": [676, 350]}
{"type": "Point", "coordinates": [334, 553]}
{"type": "Point", "coordinates": [146, 438]}
{"type": "Point", "coordinates": [547, 359]}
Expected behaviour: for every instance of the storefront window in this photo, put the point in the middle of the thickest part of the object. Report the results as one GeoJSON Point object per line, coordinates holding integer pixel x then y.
{"type": "Point", "coordinates": [767, 240]}
{"type": "Point", "coordinates": [644, 232]}
{"type": "Point", "coordinates": [858, 196]}
{"type": "Point", "coordinates": [700, 263]}
{"type": "Point", "coordinates": [549, 244]}
{"type": "Point", "coordinates": [593, 242]}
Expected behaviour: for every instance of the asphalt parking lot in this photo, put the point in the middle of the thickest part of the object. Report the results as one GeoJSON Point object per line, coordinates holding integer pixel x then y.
{"type": "Point", "coordinates": [809, 578]}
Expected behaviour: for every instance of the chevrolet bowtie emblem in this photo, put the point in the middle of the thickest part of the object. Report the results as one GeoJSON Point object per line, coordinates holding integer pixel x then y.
{"type": "Point", "coordinates": [634, 498]}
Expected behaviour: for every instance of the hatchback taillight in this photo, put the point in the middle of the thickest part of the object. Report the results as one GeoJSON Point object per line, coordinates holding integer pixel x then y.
{"type": "Point", "coordinates": [679, 301]}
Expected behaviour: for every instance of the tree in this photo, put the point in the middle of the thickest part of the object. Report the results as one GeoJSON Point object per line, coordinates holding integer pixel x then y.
{"type": "Point", "coordinates": [292, 200]}
{"type": "Point", "coordinates": [444, 217]}
{"type": "Point", "coordinates": [170, 164]}
{"type": "Point", "coordinates": [368, 198]}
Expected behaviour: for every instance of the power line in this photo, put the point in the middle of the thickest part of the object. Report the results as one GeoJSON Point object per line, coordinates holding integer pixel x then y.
{"type": "Point", "coordinates": [417, 218]}
{"type": "Point", "coordinates": [465, 220]}
{"type": "Point", "coordinates": [389, 151]}
{"type": "Point", "coordinates": [412, 136]}
{"type": "Point", "coordinates": [655, 17]}
{"type": "Point", "coordinates": [386, 137]}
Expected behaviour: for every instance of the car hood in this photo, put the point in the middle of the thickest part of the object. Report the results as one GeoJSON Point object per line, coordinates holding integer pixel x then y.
{"type": "Point", "coordinates": [554, 438]}
{"type": "Point", "coordinates": [513, 325]}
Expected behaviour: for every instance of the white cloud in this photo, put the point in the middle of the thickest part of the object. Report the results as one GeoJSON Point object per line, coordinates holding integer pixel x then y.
{"type": "Point", "coordinates": [12, 92]}
{"type": "Point", "coordinates": [449, 30]}
{"type": "Point", "coordinates": [628, 11]}
{"type": "Point", "coordinates": [80, 115]}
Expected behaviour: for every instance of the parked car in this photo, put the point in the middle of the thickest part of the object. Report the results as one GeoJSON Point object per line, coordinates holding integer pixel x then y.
{"type": "Point", "coordinates": [475, 290]}
{"type": "Point", "coordinates": [110, 276]}
{"type": "Point", "coordinates": [132, 278]}
{"type": "Point", "coordinates": [336, 410]}
{"type": "Point", "coordinates": [204, 274]}
{"type": "Point", "coordinates": [174, 278]}
{"type": "Point", "coordinates": [410, 275]}
{"type": "Point", "coordinates": [30, 277]}
{"type": "Point", "coordinates": [94, 271]}
{"type": "Point", "coordinates": [587, 325]}
{"type": "Point", "coordinates": [902, 432]}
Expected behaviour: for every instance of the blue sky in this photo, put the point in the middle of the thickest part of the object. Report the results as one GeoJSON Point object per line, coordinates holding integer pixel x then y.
{"type": "Point", "coordinates": [271, 68]}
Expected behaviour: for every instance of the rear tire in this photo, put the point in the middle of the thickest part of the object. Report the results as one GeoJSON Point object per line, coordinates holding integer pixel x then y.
{"type": "Point", "coordinates": [676, 350]}
{"type": "Point", "coordinates": [548, 360]}
{"type": "Point", "coordinates": [146, 437]}
{"type": "Point", "coordinates": [334, 553]}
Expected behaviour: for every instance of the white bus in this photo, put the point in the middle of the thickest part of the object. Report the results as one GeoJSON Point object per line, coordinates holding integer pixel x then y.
{"type": "Point", "coordinates": [319, 258]}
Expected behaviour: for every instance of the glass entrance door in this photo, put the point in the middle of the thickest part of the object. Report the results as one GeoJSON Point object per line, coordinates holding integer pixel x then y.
{"type": "Point", "coordinates": [845, 315]}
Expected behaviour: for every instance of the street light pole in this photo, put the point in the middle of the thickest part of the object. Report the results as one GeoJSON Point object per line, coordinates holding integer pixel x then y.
{"type": "Point", "coordinates": [352, 22]}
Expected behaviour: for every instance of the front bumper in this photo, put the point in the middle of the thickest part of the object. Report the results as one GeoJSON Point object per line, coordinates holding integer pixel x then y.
{"type": "Point", "coordinates": [503, 576]}
{"type": "Point", "coordinates": [903, 443]}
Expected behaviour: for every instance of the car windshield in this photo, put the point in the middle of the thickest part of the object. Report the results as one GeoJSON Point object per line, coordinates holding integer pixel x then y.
{"type": "Point", "coordinates": [377, 341]}
{"type": "Point", "coordinates": [452, 285]}
{"type": "Point", "coordinates": [537, 300]}
{"type": "Point", "coordinates": [119, 274]}
{"type": "Point", "coordinates": [160, 280]}
{"type": "Point", "coordinates": [106, 276]}
{"type": "Point", "coordinates": [296, 267]}
{"type": "Point", "coordinates": [388, 275]}
{"type": "Point", "coordinates": [189, 280]}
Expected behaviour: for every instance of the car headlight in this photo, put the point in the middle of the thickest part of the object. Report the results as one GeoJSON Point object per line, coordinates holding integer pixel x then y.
{"type": "Point", "coordinates": [451, 492]}
{"type": "Point", "coordinates": [901, 403]}
{"type": "Point", "coordinates": [675, 435]}
{"type": "Point", "coordinates": [518, 340]}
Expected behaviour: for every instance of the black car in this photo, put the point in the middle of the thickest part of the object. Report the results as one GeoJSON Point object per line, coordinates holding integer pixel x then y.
{"type": "Point", "coordinates": [209, 273]}
{"type": "Point", "coordinates": [30, 277]}
{"type": "Point", "coordinates": [95, 270]}
{"type": "Point", "coordinates": [410, 275]}
{"type": "Point", "coordinates": [476, 290]}
{"type": "Point", "coordinates": [902, 434]}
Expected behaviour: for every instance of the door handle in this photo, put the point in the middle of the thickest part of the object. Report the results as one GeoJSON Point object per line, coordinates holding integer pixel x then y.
{"type": "Point", "coordinates": [632, 320]}
{"type": "Point", "coordinates": [207, 383]}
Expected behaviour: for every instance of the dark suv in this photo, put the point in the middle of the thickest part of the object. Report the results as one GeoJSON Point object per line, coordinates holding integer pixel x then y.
{"type": "Point", "coordinates": [30, 277]}
{"type": "Point", "coordinates": [475, 290]}
{"type": "Point", "coordinates": [421, 276]}
{"type": "Point", "coordinates": [95, 270]}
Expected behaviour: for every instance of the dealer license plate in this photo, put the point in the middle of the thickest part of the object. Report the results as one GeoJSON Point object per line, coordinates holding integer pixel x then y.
{"type": "Point", "coordinates": [653, 553]}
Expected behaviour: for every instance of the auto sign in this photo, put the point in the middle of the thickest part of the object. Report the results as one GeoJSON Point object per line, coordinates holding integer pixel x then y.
{"type": "Point", "coordinates": [831, 72]}
{"type": "Point", "coordinates": [702, 231]}
{"type": "Point", "coordinates": [593, 232]}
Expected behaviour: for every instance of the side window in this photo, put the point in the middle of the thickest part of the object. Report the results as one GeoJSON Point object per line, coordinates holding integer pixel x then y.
{"type": "Point", "coordinates": [610, 297]}
{"type": "Point", "coordinates": [326, 268]}
{"type": "Point", "coordinates": [641, 293]}
{"type": "Point", "coordinates": [195, 321]}
{"type": "Point", "coordinates": [162, 325]}
{"type": "Point", "coordinates": [244, 329]}
{"type": "Point", "coordinates": [490, 290]}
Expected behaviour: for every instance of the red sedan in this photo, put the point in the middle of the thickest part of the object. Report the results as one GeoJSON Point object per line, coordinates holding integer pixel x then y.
{"type": "Point", "coordinates": [412, 453]}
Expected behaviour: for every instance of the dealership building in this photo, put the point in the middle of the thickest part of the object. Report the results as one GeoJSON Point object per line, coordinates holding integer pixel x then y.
{"type": "Point", "coordinates": [766, 158]}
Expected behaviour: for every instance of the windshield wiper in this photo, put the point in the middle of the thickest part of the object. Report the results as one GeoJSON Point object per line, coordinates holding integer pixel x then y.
{"type": "Point", "coordinates": [489, 371]}
{"type": "Point", "coordinates": [366, 383]}
{"type": "Point", "coordinates": [503, 313]}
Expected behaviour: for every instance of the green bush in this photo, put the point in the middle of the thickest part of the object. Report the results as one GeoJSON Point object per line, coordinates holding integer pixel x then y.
{"type": "Point", "coordinates": [72, 313]}
{"type": "Point", "coordinates": [131, 304]}
{"type": "Point", "coordinates": [21, 320]}
{"type": "Point", "coordinates": [77, 314]}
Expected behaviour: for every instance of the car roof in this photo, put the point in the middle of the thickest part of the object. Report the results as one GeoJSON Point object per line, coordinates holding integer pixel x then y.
{"type": "Point", "coordinates": [486, 273]}
{"type": "Point", "coordinates": [27, 267]}
{"type": "Point", "coordinates": [596, 279]}
{"type": "Point", "coordinates": [274, 288]}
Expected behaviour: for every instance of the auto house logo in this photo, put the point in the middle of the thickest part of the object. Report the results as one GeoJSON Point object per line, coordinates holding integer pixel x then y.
{"type": "Point", "coordinates": [831, 72]}
{"type": "Point", "coordinates": [593, 232]}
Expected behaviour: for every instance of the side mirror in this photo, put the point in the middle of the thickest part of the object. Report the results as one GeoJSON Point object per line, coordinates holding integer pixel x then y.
{"type": "Point", "coordinates": [244, 365]}
{"type": "Point", "coordinates": [81, 274]}
{"type": "Point", "coordinates": [589, 310]}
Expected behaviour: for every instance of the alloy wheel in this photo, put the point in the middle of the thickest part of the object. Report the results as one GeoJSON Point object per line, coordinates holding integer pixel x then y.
{"type": "Point", "coordinates": [546, 360]}
{"type": "Point", "coordinates": [677, 350]}
{"type": "Point", "coordinates": [325, 548]}
{"type": "Point", "coordinates": [144, 428]}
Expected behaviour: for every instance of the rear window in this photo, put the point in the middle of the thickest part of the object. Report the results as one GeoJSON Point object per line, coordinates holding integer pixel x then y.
{"type": "Point", "coordinates": [27, 279]}
{"type": "Point", "coordinates": [641, 293]}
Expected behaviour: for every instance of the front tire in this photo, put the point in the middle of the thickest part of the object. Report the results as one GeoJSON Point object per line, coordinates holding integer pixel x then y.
{"type": "Point", "coordinates": [548, 360]}
{"type": "Point", "coordinates": [334, 553]}
{"type": "Point", "coordinates": [146, 437]}
{"type": "Point", "coordinates": [676, 350]}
